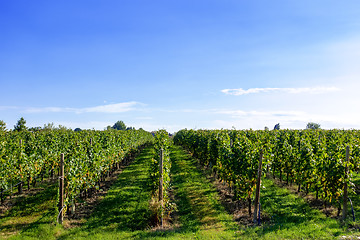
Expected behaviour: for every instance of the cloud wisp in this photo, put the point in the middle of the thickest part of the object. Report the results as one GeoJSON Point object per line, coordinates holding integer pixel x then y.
{"type": "Point", "coordinates": [6, 108]}
{"type": "Point", "coordinates": [264, 114]}
{"type": "Point", "coordinates": [108, 108]}
{"type": "Point", "coordinates": [314, 90]}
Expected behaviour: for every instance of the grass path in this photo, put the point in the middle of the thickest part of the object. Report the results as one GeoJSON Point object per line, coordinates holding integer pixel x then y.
{"type": "Point", "coordinates": [199, 208]}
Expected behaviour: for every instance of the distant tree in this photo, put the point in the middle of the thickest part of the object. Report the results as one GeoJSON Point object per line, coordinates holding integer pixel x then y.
{"type": "Point", "coordinates": [277, 126]}
{"type": "Point", "coordinates": [119, 125]}
{"type": "Point", "coordinates": [266, 129]}
{"type": "Point", "coordinates": [2, 125]}
{"type": "Point", "coordinates": [20, 126]}
{"type": "Point", "coordinates": [77, 129]}
{"type": "Point", "coordinates": [108, 128]}
{"type": "Point", "coordinates": [130, 128]}
{"type": "Point", "coordinates": [312, 125]}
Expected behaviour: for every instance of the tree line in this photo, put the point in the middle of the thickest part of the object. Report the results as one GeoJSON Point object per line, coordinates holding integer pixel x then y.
{"type": "Point", "coordinates": [21, 126]}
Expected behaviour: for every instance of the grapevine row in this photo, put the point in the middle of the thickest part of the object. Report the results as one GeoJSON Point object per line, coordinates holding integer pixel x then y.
{"type": "Point", "coordinates": [312, 159]}
{"type": "Point", "coordinates": [88, 156]}
{"type": "Point", "coordinates": [160, 179]}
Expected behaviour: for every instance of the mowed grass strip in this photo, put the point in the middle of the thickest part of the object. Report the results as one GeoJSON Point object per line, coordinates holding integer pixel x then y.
{"type": "Point", "coordinates": [199, 209]}
{"type": "Point", "coordinates": [31, 213]}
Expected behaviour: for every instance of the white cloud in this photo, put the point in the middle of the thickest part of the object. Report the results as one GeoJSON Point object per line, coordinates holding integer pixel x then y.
{"type": "Point", "coordinates": [109, 108]}
{"type": "Point", "coordinates": [240, 113]}
{"type": "Point", "coordinates": [112, 108]}
{"type": "Point", "coordinates": [48, 109]}
{"type": "Point", "coordinates": [4, 108]}
{"type": "Point", "coordinates": [144, 118]}
{"type": "Point", "coordinates": [314, 90]}
{"type": "Point", "coordinates": [287, 119]}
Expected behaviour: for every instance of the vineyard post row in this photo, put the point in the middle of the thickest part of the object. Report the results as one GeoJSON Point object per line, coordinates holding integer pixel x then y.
{"type": "Point", "coordinates": [159, 174]}
{"type": "Point", "coordinates": [61, 189]}
{"type": "Point", "coordinates": [257, 192]}
{"type": "Point", "coordinates": [161, 179]}
{"type": "Point", "coordinates": [345, 197]}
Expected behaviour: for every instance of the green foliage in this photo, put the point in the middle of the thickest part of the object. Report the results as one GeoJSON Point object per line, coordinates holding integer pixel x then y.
{"type": "Point", "coordinates": [49, 126]}
{"type": "Point", "coordinates": [2, 125]}
{"type": "Point", "coordinates": [162, 145]}
{"type": "Point", "coordinates": [233, 155]}
{"type": "Point", "coordinates": [312, 125]}
{"type": "Point", "coordinates": [88, 155]}
{"type": "Point", "coordinates": [315, 160]}
{"type": "Point", "coordinates": [20, 125]}
{"type": "Point", "coordinates": [119, 125]}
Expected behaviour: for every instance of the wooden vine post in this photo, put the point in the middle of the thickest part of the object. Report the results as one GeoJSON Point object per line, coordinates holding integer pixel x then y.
{"type": "Point", "coordinates": [61, 189]}
{"type": "Point", "coordinates": [161, 192]}
{"type": "Point", "coordinates": [257, 193]}
{"type": "Point", "coordinates": [20, 186]}
{"type": "Point", "coordinates": [2, 195]}
{"type": "Point", "coordinates": [345, 197]}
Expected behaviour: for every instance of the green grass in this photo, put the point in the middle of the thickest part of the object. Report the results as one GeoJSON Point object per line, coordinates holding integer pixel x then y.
{"type": "Point", "coordinates": [200, 211]}
{"type": "Point", "coordinates": [31, 214]}
{"type": "Point", "coordinates": [291, 217]}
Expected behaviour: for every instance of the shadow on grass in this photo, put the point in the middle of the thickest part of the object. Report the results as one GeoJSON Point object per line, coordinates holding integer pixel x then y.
{"type": "Point", "coordinates": [185, 180]}
{"type": "Point", "coordinates": [291, 213]}
{"type": "Point", "coordinates": [29, 212]}
{"type": "Point", "coordinates": [197, 199]}
{"type": "Point", "coordinates": [126, 206]}
{"type": "Point", "coordinates": [28, 205]}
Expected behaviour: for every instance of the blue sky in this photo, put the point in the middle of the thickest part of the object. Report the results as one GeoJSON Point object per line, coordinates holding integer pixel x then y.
{"type": "Point", "coordinates": [180, 64]}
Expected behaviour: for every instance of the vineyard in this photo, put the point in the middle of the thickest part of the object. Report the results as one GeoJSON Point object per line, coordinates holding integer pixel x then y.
{"type": "Point", "coordinates": [321, 163]}
{"type": "Point", "coordinates": [88, 157]}
{"type": "Point", "coordinates": [314, 160]}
